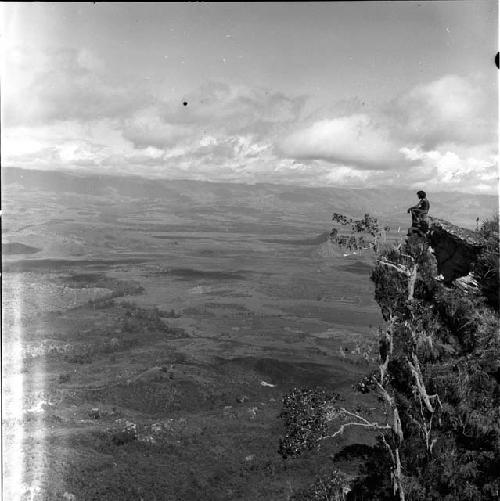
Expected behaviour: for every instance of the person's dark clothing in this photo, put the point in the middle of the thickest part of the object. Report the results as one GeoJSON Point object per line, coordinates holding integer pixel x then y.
{"type": "Point", "coordinates": [419, 214]}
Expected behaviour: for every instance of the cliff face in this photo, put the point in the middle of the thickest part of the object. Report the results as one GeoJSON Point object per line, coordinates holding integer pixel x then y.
{"type": "Point", "coordinates": [439, 364]}
{"type": "Point", "coordinates": [438, 377]}
{"type": "Point", "coordinates": [456, 249]}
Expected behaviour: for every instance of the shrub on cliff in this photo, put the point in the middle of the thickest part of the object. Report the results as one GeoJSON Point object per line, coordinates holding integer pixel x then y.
{"type": "Point", "coordinates": [487, 266]}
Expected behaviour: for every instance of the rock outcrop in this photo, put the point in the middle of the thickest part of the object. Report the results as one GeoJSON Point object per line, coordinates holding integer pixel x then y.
{"type": "Point", "coordinates": [456, 249]}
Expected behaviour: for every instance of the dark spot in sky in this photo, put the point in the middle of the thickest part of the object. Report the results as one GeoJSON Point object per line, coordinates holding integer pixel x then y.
{"type": "Point", "coordinates": [496, 61]}
{"type": "Point", "coordinates": [184, 103]}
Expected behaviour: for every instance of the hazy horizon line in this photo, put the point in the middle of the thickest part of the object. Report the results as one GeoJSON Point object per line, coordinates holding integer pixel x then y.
{"type": "Point", "coordinates": [89, 173]}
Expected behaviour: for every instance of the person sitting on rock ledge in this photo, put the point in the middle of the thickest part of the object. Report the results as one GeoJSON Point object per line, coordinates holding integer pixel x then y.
{"type": "Point", "coordinates": [419, 213]}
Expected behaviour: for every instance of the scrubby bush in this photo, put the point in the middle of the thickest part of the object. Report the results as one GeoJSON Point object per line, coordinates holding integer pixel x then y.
{"type": "Point", "coordinates": [487, 267]}
{"type": "Point", "coordinates": [490, 227]}
{"type": "Point", "coordinates": [332, 487]}
{"type": "Point", "coordinates": [305, 417]}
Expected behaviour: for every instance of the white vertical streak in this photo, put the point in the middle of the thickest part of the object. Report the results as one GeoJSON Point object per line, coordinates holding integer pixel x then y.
{"type": "Point", "coordinates": [12, 387]}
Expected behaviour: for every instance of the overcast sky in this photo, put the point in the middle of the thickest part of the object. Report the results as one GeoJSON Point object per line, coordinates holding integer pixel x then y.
{"type": "Point", "coordinates": [346, 94]}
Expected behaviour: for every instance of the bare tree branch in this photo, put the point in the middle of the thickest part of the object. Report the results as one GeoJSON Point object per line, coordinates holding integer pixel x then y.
{"type": "Point", "coordinates": [340, 431]}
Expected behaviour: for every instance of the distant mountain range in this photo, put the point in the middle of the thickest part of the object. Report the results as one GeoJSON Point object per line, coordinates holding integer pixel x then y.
{"type": "Point", "coordinates": [387, 204]}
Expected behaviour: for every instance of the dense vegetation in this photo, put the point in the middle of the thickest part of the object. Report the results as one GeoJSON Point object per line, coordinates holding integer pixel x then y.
{"type": "Point", "coordinates": [438, 378]}
{"type": "Point", "coordinates": [486, 268]}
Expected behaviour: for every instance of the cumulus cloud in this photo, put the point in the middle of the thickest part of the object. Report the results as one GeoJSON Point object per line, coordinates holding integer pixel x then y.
{"type": "Point", "coordinates": [356, 140]}
{"type": "Point", "coordinates": [217, 110]}
{"type": "Point", "coordinates": [63, 84]}
{"type": "Point", "coordinates": [450, 109]}
{"type": "Point", "coordinates": [147, 128]}
{"type": "Point", "coordinates": [241, 105]}
{"type": "Point", "coordinates": [457, 167]}
{"type": "Point", "coordinates": [442, 134]}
